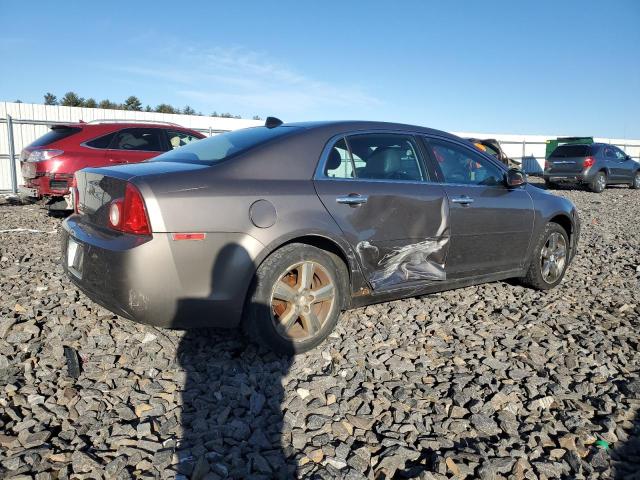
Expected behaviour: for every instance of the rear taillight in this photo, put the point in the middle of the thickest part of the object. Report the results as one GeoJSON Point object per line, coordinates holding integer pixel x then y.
{"type": "Point", "coordinates": [75, 197]}
{"type": "Point", "coordinates": [129, 214]}
{"type": "Point", "coordinates": [41, 155]}
{"type": "Point", "coordinates": [588, 162]}
{"type": "Point", "coordinates": [547, 164]}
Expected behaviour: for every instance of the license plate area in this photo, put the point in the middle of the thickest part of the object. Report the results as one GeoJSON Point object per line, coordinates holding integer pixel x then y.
{"type": "Point", "coordinates": [75, 257]}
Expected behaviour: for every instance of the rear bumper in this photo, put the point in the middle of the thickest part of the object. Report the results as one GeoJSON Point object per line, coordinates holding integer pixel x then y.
{"type": "Point", "coordinates": [577, 177]}
{"type": "Point", "coordinates": [159, 281]}
{"type": "Point", "coordinates": [46, 186]}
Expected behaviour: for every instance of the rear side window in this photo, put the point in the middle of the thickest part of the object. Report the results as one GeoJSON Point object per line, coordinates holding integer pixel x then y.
{"type": "Point", "coordinates": [57, 133]}
{"type": "Point", "coordinates": [139, 139]}
{"type": "Point", "coordinates": [384, 156]}
{"type": "Point", "coordinates": [101, 142]}
{"type": "Point", "coordinates": [565, 151]}
{"type": "Point", "coordinates": [220, 147]}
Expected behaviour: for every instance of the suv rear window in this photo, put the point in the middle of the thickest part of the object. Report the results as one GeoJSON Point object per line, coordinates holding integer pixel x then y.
{"type": "Point", "coordinates": [57, 133]}
{"type": "Point", "coordinates": [225, 145]}
{"type": "Point", "coordinates": [565, 151]}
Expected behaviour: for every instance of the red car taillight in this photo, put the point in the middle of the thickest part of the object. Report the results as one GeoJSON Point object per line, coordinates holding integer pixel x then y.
{"type": "Point", "coordinates": [129, 214]}
{"type": "Point", "coordinates": [547, 165]}
{"type": "Point", "coordinates": [588, 162]}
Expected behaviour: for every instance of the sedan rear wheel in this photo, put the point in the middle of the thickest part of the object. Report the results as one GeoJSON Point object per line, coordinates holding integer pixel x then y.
{"type": "Point", "coordinates": [636, 181]}
{"type": "Point", "coordinates": [550, 258]}
{"type": "Point", "coordinates": [297, 297]}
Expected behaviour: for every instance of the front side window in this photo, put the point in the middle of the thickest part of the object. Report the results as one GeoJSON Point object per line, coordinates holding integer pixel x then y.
{"type": "Point", "coordinates": [462, 165]}
{"type": "Point", "coordinates": [379, 156]}
{"type": "Point", "coordinates": [620, 155]}
{"type": "Point", "coordinates": [180, 139]}
{"type": "Point", "coordinates": [141, 139]}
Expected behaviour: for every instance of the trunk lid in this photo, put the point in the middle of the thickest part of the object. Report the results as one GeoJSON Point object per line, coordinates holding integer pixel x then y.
{"type": "Point", "coordinates": [98, 187]}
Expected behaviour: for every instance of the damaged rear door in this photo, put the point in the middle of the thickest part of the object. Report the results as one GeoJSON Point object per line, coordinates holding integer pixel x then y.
{"type": "Point", "coordinates": [376, 187]}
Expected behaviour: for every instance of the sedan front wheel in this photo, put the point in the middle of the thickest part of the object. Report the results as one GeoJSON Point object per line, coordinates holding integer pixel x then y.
{"type": "Point", "coordinates": [550, 258]}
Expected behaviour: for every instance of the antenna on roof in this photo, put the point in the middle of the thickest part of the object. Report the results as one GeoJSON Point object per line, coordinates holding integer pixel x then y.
{"type": "Point", "coordinates": [272, 122]}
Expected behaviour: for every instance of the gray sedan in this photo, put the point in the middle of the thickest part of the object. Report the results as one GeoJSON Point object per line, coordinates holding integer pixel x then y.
{"type": "Point", "coordinates": [280, 228]}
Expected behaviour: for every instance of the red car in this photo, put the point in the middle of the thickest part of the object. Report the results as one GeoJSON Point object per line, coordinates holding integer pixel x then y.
{"type": "Point", "coordinates": [48, 164]}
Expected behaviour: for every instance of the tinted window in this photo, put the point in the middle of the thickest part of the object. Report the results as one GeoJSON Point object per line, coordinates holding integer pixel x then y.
{"type": "Point", "coordinates": [385, 156]}
{"type": "Point", "coordinates": [609, 152]}
{"type": "Point", "coordinates": [101, 142]}
{"type": "Point", "coordinates": [571, 151]}
{"type": "Point", "coordinates": [219, 147]}
{"type": "Point", "coordinates": [143, 139]}
{"type": "Point", "coordinates": [180, 139]}
{"type": "Point", "coordinates": [464, 166]}
{"type": "Point", "coordinates": [56, 133]}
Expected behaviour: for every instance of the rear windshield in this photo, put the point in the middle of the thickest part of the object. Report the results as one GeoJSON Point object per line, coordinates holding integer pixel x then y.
{"type": "Point", "coordinates": [572, 151]}
{"type": "Point", "coordinates": [225, 145]}
{"type": "Point", "coordinates": [56, 133]}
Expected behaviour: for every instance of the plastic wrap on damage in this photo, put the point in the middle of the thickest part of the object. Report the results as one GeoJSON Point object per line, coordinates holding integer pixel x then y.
{"type": "Point", "coordinates": [424, 260]}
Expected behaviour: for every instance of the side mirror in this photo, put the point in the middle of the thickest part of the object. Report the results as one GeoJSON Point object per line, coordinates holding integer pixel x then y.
{"type": "Point", "coordinates": [515, 178]}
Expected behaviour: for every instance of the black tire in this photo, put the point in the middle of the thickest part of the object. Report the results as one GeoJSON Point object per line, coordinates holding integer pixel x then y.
{"type": "Point", "coordinates": [599, 182]}
{"type": "Point", "coordinates": [259, 314]}
{"type": "Point", "coordinates": [550, 185]}
{"type": "Point", "coordinates": [635, 183]}
{"type": "Point", "coordinates": [534, 277]}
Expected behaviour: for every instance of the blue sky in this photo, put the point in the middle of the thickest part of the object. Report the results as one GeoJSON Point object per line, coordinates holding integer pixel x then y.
{"type": "Point", "coordinates": [546, 67]}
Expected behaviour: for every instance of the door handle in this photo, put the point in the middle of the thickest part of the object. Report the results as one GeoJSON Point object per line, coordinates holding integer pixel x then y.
{"type": "Point", "coordinates": [353, 199]}
{"type": "Point", "coordinates": [462, 200]}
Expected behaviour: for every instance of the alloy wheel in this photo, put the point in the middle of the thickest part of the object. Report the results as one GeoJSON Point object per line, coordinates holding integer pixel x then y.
{"type": "Point", "coordinates": [636, 181]}
{"type": "Point", "coordinates": [553, 257]}
{"type": "Point", "coordinates": [302, 300]}
{"type": "Point", "coordinates": [601, 182]}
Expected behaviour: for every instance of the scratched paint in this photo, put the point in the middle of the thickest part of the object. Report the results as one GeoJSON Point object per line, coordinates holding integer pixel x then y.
{"type": "Point", "coordinates": [423, 260]}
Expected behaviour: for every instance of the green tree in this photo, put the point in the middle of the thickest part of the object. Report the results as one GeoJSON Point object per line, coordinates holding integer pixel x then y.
{"type": "Point", "coordinates": [50, 99]}
{"type": "Point", "coordinates": [17, 101]}
{"type": "Point", "coordinates": [188, 110]}
{"type": "Point", "coordinates": [166, 108]}
{"type": "Point", "coordinates": [90, 103]}
{"type": "Point", "coordinates": [108, 104]}
{"type": "Point", "coordinates": [148, 109]}
{"type": "Point", "coordinates": [132, 103]}
{"type": "Point", "coordinates": [256, 117]}
{"type": "Point", "coordinates": [71, 99]}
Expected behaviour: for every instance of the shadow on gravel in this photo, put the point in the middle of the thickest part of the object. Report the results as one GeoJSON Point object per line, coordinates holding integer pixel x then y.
{"type": "Point", "coordinates": [231, 408]}
{"type": "Point", "coordinates": [232, 419]}
{"type": "Point", "coordinates": [625, 456]}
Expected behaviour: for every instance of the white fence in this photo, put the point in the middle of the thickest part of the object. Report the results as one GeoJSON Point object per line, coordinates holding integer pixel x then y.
{"type": "Point", "coordinates": [30, 121]}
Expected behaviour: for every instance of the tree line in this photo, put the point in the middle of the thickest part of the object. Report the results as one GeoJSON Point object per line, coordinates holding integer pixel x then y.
{"type": "Point", "coordinates": [72, 99]}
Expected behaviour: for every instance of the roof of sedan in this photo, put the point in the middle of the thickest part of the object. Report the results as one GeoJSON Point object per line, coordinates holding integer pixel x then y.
{"type": "Point", "coordinates": [366, 125]}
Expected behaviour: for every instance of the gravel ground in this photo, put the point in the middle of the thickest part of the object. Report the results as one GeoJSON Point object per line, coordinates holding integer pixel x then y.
{"type": "Point", "coordinates": [494, 381]}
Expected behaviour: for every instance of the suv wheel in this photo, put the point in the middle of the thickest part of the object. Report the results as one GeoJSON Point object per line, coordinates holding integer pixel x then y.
{"type": "Point", "coordinates": [636, 181]}
{"type": "Point", "coordinates": [297, 297]}
{"type": "Point", "coordinates": [550, 185]}
{"type": "Point", "coordinates": [599, 183]}
{"type": "Point", "coordinates": [550, 258]}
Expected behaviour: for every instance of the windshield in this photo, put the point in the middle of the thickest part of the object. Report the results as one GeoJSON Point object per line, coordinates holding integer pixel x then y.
{"type": "Point", "coordinates": [224, 145]}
